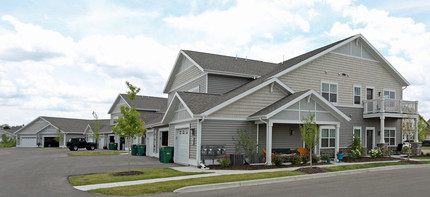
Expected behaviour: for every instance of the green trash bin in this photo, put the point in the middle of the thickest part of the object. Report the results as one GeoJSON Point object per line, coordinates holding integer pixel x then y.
{"type": "Point", "coordinates": [166, 154]}
{"type": "Point", "coordinates": [115, 147]}
{"type": "Point", "coordinates": [134, 149]}
{"type": "Point", "coordinates": [111, 146]}
{"type": "Point", "coordinates": [141, 149]}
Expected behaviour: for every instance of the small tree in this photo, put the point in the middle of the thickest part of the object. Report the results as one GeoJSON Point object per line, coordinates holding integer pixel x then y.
{"type": "Point", "coordinates": [422, 129]}
{"type": "Point", "coordinates": [129, 125]}
{"type": "Point", "coordinates": [245, 143]}
{"type": "Point", "coordinates": [310, 134]}
{"type": "Point", "coordinates": [59, 136]}
{"type": "Point", "coordinates": [96, 129]}
{"type": "Point", "coordinates": [408, 131]}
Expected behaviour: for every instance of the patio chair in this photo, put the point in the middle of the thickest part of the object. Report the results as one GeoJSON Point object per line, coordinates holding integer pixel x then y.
{"type": "Point", "coordinates": [303, 152]}
{"type": "Point", "coordinates": [264, 153]}
{"type": "Point", "coordinates": [398, 151]}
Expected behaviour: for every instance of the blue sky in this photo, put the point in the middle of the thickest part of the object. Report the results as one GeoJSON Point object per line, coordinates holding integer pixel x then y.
{"type": "Point", "coordinates": [69, 58]}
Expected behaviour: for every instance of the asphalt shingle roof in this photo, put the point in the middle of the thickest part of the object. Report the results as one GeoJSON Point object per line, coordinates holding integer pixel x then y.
{"type": "Point", "coordinates": [69, 125]}
{"type": "Point", "coordinates": [104, 125]}
{"type": "Point", "coordinates": [276, 105]}
{"type": "Point", "coordinates": [230, 64]}
{"type": "Point", "coordinates": [147, 102]}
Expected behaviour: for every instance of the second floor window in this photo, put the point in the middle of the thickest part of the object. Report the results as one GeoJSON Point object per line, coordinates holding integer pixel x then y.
{"type": "Point", "coordinates": [329, 91]}
{"type": "Point", "coordinates": [388, 94]}
{"type": "Point", "coordinates": [357, 95]}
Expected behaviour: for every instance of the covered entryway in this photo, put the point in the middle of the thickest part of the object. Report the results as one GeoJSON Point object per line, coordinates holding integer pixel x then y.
{"type": "Point", "coordinates": [50, 142]}
{"type": "Point", "coordinates": [150, 144]}
{"type": "Point", "coordinates": [182, 146]}
{"type": "Point", "coordinates": [28, 141]}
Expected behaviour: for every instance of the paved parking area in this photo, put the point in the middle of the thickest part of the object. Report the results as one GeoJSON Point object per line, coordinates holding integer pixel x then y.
{"type": "Point", "coordinates": [44, 172]}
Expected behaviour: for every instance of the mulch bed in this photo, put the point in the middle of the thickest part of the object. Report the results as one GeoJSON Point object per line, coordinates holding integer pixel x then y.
{"type": "Point", "coordinates": [259, 167]}
{"type": "Point", "coordinates": [312, 170]}
{"type": "Point", "coordinates": [127, 173]}
{"type": "Point", "coordinates": [368, 159]}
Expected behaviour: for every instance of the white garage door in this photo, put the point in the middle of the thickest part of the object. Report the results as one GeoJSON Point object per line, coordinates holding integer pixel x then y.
{"type": "Point", "coordinates": [28, 142]}
{"type": "Point", "coordinates": [150, 144]}
{"type": "Point", "coordinates": [182, 147]}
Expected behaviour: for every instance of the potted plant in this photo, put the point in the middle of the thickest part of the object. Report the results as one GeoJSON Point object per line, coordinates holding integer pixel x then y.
{"type": "Point", "coordinates": [326, 158]}
{"type": "Point", "coordinates": [340, 155]}
{"type": "Point", "coordinates": [38, 144]}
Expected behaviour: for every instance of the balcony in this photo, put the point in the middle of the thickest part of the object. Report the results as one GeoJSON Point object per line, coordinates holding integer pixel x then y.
{"type": "Point", "coordinates": [390, 106]}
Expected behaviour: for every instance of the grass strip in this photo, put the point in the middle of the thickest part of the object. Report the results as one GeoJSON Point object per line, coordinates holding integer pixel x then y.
{"type": "Point", "coordinates": [363, 166]}
{"type": "Point", "coordinates": [95, 153]}
{"type": "Point", "coordinates": [425, 148]}
{"type": "Point", "coordinates": [170, 186]}
{"type": "Point", "coordinates": [108, 177]}
{"type": "Point", "coordinates": [420, 157]}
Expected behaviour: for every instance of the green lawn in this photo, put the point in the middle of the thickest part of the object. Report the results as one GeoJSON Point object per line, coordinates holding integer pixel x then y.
{"type": "Point", "coordinates": [363, 166]}
{"type": "Point", "coordinates": [420, 157]}
{"type": "Point", "coordinates": [170, 186]}
{"type": "Point", "coordinates": [109, 178]}
{"type": "Point", "coordinates": [425, 147]}
{"type": "Point", "coordinates": [95, 153]}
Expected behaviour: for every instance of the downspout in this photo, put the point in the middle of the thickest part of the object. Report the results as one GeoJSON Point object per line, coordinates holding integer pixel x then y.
{"type": "Point", "coordinates": [199, 141]}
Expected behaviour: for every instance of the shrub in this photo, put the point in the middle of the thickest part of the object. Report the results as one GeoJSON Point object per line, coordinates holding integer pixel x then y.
{"type": "Point", "coordinates": [305, 159]}
{"type": "Point", "coordinates": [325, 157]}
{"type": "Point", "coordinates": [427, 154]}
{"type": "Point", "coordinates": [277, 160]}
{"type": "Point", "coordinates": [355, 149]}
{"type": "Point", "coordinates": [388, 152]}
{"type": "Point", "coordinates": [224, 161]}
{"type": "Point", "coordinates": [315, 159]}
{"type": "Point", "coordinates": [294, 159]}
{"type": "Point", "coordinates": [7, 141]}
{"type": "Point", "coordinates": [375, 153]}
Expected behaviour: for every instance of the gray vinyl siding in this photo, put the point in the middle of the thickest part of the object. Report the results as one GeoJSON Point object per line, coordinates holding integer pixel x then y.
{"type": "Point", "coordinates": [281, 137]}
{"type": "Point", "coordinates": [184, 76]}
{"type": "Point", "coordinates": [219, 84]}
{"type": "Point", "coordinates": [357, 119]}
{"type": "Point", "coordinates": [112, 121]}
{"type": "Point", "coordinates": [34, 127]}
{"type": "Point", "coordinates": [359, 72]}
{"type": "Point", "coordinates": [221, 132]}
{"type": "Point", "coordinates": [201, 82]}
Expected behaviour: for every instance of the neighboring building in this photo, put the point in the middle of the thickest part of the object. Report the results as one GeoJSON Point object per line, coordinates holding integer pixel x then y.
{"type": "Point", "coordinates": [9, 132]}
{"type": "Point", "coordinates": [105, 132]}
{"type": "Point", "coordinates": [43, 130]}
{"type": "Point", "coordinates": [348, 84]}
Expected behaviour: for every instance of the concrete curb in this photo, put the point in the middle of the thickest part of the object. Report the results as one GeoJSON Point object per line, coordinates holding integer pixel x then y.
{"type": "Point", "coordinates": [199, 188]}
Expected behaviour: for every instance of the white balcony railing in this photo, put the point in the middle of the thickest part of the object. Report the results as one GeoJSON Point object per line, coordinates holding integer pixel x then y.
{"type": "Point", "coordinates": [390, 106]}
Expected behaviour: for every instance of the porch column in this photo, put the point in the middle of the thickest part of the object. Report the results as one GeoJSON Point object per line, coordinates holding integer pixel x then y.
{"type": "Point", "coordinates": [381, 140]}
{"type": "Point", "coordinates": [416, 129]}
{"type": "Point", "coordinates": [336, 143]}
{"type": "Point", "coordinates": [64, 140]}
{"type": "Point", "coordinates": [269, 126]}
{"type": "Point", "coordinates": [258, 133]}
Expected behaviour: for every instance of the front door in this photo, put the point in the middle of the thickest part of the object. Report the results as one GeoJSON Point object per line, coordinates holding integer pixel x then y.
{"type": "Point", "coordinates": [369, 139]}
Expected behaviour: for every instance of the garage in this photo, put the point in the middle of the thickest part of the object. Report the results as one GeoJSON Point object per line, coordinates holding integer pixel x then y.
{"type": "Point", "coordinates": [150, 143]}
{"type": "Point", "coordinates": [28, 141]}
{"type": "Point", "coordinates": [50, 142]}
{"type": "Point", "coordinates": [182, 146]}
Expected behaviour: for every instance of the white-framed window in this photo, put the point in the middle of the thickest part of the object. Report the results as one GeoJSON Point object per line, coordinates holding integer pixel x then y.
{"type": "Point", "coordinates": [390, 136]}
{"type": "Point", "coordinates": [195, 89]}
{"type": "Point", "coordinates": [356, 132]}
{"type": "Point", "coordinates": [328, 137]}
{"type": "Point", "coordinates": [370, 93]}
{"type": "Point", "coordinates": [357, 95]}
{"type": "Point", "coordinates": [389, 94]}
{"type": "Point", "coordinates": [329, 91]}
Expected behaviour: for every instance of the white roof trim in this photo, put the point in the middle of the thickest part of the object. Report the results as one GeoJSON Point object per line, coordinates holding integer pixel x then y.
{"type": "Point", "coordinates": [175, 68]}
{"type": "Point", "coordinates": [246, 93]}
{"type": "Point", "coordinates": [16, 132]}
{"type": "Point", "coordinates": [234, 74]}
{"type": "Point", "coordinates": [116, 102]}
{"type": "Point", "coordinates": [52, 125]}
{"type": "Point", "coordinates": [168, 111]}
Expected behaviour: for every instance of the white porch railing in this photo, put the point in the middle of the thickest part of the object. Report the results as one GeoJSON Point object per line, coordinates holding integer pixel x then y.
{"type": "Point", "coordinates": [390, 106]}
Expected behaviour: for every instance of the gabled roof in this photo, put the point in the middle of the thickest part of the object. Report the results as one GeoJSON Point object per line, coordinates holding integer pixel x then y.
{"type": "Point", "coordinates": [68, 125]}
{"type": "Point", "coordinates": [104, 125]}
{"type": "Point", "coordinates": [290, 100]}
{"type": "Point", "coordinates": [143, 103]}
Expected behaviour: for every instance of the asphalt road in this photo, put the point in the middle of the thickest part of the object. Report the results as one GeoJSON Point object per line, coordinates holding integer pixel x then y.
{"type": "Point", "coordinates": [44, 172]}
{"type": "Point", "coordinates": [392, 183]}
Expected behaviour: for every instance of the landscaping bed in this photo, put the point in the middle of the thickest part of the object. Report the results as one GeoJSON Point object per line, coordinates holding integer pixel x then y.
{"type": "Point", "coordinates": [312, 170]}
{"type": "Point", "coordinates": [260, 167]}
{"type": "Point", "coordinates": [368, 159]}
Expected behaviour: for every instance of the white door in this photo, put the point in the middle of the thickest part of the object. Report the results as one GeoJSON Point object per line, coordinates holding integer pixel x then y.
{"type": "Point", "coordinates": [149, 144]}
{"type": "Point", "coordinates": [182, 147]}
{"type": "Point", "coordinates": [101, 141]}
{"type": "Point", "coordinates": [28, 142]}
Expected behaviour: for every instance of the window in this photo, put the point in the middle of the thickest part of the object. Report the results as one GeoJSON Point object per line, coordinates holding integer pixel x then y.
{"type": "Point", "coordinates": [196, 89]}
{"type": "Point", "coordinates": [356, 132]}
{"type": "Point", "coordinates": [329, 91]}
{"type": "Point", "coordinates": [328, 137]}
{"type": "Point", "coordinates": [389, 94]}
{"type": "Point", "coordinates": [369, 92]}
{"type": "Point", "coordinates": [357, 95]}
{"type": "Point", "coordinates": [390, 136]}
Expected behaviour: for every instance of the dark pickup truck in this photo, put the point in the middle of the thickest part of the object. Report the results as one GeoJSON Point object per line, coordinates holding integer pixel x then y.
{"type": "Point", "coordinates": [75, 143]}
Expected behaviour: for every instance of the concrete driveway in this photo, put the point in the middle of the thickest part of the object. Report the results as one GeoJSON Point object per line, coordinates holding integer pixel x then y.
{"type": "Point", "coordinates": [44, 172]}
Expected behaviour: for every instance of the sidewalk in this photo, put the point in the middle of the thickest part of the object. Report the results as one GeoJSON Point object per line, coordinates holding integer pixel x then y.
{"type": "Point", "coordinates": [241, 183]}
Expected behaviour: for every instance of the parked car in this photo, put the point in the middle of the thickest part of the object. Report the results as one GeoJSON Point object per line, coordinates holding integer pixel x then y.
{"type": "Point", "coordinates": [75, 143]}
{"type": "Point", "coordinates": [426, 143]}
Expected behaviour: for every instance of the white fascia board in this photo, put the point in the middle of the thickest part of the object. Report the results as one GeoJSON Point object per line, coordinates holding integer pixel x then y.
{"type": "Point", "coordinates": [329, 105]}
{"type": "Point", "coordinates": [116, 102]}
{"type": "Point", "coordinates": [315, 56]}
{"type": "Point", "coordinates": [192, 61]}
{"type": "Point", "coordinates": [218, 72]}
{"type": "Point", "coordinates": [176, 97]}
{"type": "Point", "coordinates": [185, 105]}
{"type": "Point", "coordinates": [16, 132]}
{"type": "Point", "coordinates": [61, 130]}
{"type": "Point", "coordinates": [283, 85]}
{"type": "Point", "coordinates": [391, 67]}
{"type": "Point", "coordinates": [88, 128]}
{"type": "Point", "coordinates": [172, 71]}
{"type": "Point", "coordinates": [236, 98]}
{"type": "Point", "coordinates": [289, 104]}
